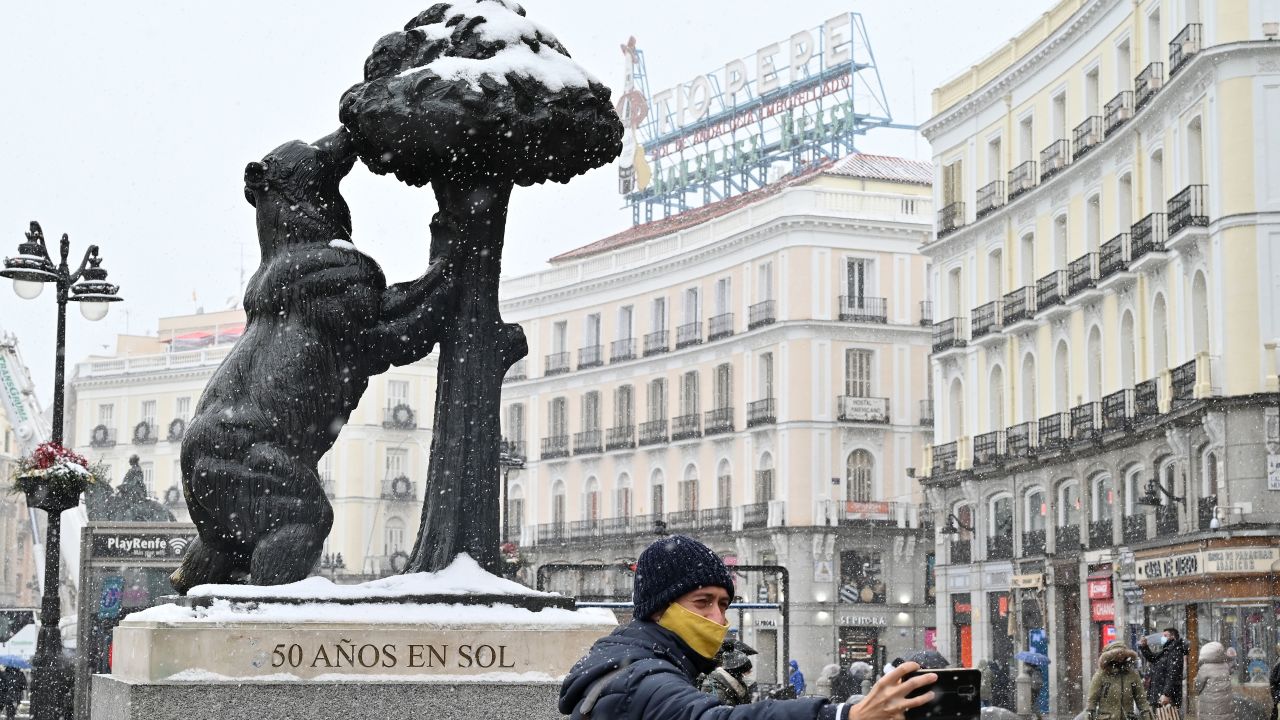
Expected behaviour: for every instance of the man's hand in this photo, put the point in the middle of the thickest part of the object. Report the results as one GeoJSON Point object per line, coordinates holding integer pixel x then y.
{"type": "Point", "coordinates": [888, 697]}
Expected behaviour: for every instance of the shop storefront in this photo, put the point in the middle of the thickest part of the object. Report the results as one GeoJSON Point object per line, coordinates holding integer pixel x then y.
{"type": "Point", "coordinates": [1102, 608]}
{"type": "Point", "coordinates": [962, 628]}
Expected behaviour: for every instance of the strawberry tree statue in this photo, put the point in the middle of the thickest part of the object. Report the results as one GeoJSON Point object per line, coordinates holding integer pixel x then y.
{"type": "Point", "coordinates": [474, 98]}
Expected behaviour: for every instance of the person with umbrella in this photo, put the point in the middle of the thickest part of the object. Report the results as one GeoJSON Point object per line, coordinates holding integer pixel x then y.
{"type": "Point", "coordinates": [13, 685]}
{"type": "Point", "coordinates": [1034, 661]}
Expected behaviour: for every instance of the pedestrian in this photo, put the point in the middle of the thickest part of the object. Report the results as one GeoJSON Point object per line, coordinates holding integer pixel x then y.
{"type": "Point", "coordinates": [1036, 676]}
{"type": "Point", "coordinates": [984, 687]}
{"type": "Point", "coordinates": [826, 678]}
{"type": "Point", "coordinates": [646, 669]}
{"type": "Point", "coordinates": [848, 682]}
{"type": "Point", "coordinates": [796, 678]}
{"type": "Point", "coordinates": [1275, 691]}
{"type": "Point", "coordinates": [1001, 685]}
{"type": "Point", "coordinates": [1116, 691]}
{"type": "Point", "coordinates": [730, 682]}
{"type": "Point", "coordinates": [1213, 683]}
{"type": "Point", "coordinates": [13, 685]}
{"type": "Point", "coordinates": [1166, 670]}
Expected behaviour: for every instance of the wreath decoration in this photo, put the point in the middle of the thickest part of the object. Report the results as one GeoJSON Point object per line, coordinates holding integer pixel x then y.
{"type": "Point", "coordinates": [101, 435]}
{"type": "Point", "coordinates": [142, 433]}
{"type": "Point", "coordinates": [401, 488]}
{"type": "Point", "coordinates": [402, 415]}
{"type": "Point", "coordinates": [177, 429]}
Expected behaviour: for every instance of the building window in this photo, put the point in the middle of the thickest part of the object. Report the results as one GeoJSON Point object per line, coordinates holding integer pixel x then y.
{"type": "Point", "coordinates": [591, 411]}
{"type": "Point", "coordinates": [557, 503]}
{"type": "Point", "coordinates": [689, 490]}
{"type": "Point", "coordinates": [659, 315]}
{"type": "Point", "coordinates": [1037, 510]}
{"type": "Point", "coordinates": [625, 314]}
{"type": "Point", "coordinates": [515, 514]}
{"type": "Point", "coordinates": [397, 462]}
{"type": "Point", "coordinates": [1069, 504]}
{"type": "Point", "coordinates": [515, 422]}
{"type": "Point", "coordinates": [149, 477]}
{"type": "Point", "coordinates": [149, 412]}
{"type": "Point", "coordinates": [858, 483]}
{"type": "Point", "coordinates": [724, 485]}
{"type": "Point", "coordinates": [624, 407]}
{"type": "Point", "coordinates": [560, 336]}
{"type": "Point", "coordinates": [723, 390]}
{"type": "Point", "coordinates": [764, 479]}
{"type": "Point", "coordinates": [857, 277]}
{"type": "Point", "coordinates": [592, 330]}
{"type": "Point", "coordinates": [766, 376]}
{"type": "Point", "coordinates": [861, 580]}
{"type": "Point", "coordinates": [558, 417]}
{"type": "Point", "coordinates": [689, 393]}
{"type": "Point", "coordinates": [724, 296]}
{"type": "Point", "coordinates": [591, 502]}
{"type": "Point", "coordinates": [1001, 524]}
{"type": "Point", "coordinates": [397, 393]}
{"type": "Point", "coordinates": [182, 408]}
{"type": "Point", "coordinates": [1104, 498]}
{"type": "Point", "coordinates": [764, 282]}
{"type": "Point", "coordinates": [692, 310]}
{"type": "Point", "coordinates": [656, 499]}
{"type": "Point", "coordinates": [622, 497]}
{"type": "Point", "coordinates": [106, 415]}
{"type": "Point", "coordinates": [393, 539]}
{"type": "Point", "coordinates": [857, 372]}
{"type": "Point", "coordinates": [657, 404]}
{"type": "Point", "coordinates": [953, 182]}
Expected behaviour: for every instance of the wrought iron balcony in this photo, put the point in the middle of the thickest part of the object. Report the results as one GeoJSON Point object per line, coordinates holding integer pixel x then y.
{"type": "Point", "coordinates": [1053, 430]}
{"type": "Point", "coordinates": [102, 436]}
{"type": "Point", "coordinates": [1066, 539]}
{"type": "Point", "coordinates": [653, 432]}
{"type": "Point", "coordinates": [688, 334]}
{"type": "Point", "coordinates": [1022, 440]}
{"type": "Point", "coordinates": [720, 518]}
{"type": "Point", "coordinates": [1113, 256]}
{"type": "Point", "coordinates": [518, 371]}
{"type": "Point", "coordinates": [986, 319]}
{"type": "Point", "coordinates": [1148, 235]}
{"type": "Point", "coordinates": [1000, 547]}
{"type": "Point", "coordinates": [556, 364]}
{"type": "Point", "coordinates": [655, 343]}
{"type": "Point", "coordinates": [1082, 273]}
{"type": "Point", "coordinates": [755, 515]}
{"type": "Point", "coordinates": [556, 446]}
{"type": "Point", "coordinates": [1117, 411]}
{"type": "Point", "coordinates": [682, 520]}
{"type": "Point", "coordinates": [1166, 521]}
{"type": "Point", "coordinates": [1033, 542]}
{"type": "Point", "coordinates": [1184, 46]}
{"type": "Point", "coordinates": [950, 219]}
{"type": "Point", "coordinates": [1134, 528]}
{"type": "Point", "coordinates": [926, 313]}
{"type": "Point", "coordinates": [761, 412]}
{"type": "Point", "coordinates": [762, 313]}
{"type": "Point", "coordinates": [1054, 158]}
{"type": "Point", "coordinates": [1086, 422]}
{"type": "Point", "coordinates": [590, 356]}
{"type": "Point", "coordinates": [1019, 305]}
{"type": "Point", "coordinates": [1182, 381]}
{"type": "Point", "coordinates": [1100, 533]}
{"type": "Point", "coordinates": [513, 450]}
{"type": "Point", "coordinates": [862, 409]}
{"type": "Point", "coordinates": [1022, 178]}
{"type": "Point", "coordinates": [990, 197]}
{"type": "Point", "coordinates": [399, 416]}
{"type": "Point", "coordinates": [553, 532]}
{"type": "Point", "coordinates": [961, 552]}
{"type": "Point", "coordinates": [1117, 111]}
{"type": "Point", "coordinates": [1146, 400]}
{"type": "Point", "coordinates": [622, 350]}
{"type": "Point", "coordinates": [989, 448]}
{"type": "Point", "coordinates": [1051, 290]}
{"type": "Point", "coordinates": [863, 309]}
{"type": "Point", "coordinates": [926, 413]}
{"type": "Point", "coordinates": [1147, 84]}
{"type": "Point", "coordinates": [720, 326]}
{"type": "Point", "coordinates": [684, 427]}
{"type": "Point", "coordinates": [1186, 209]}
{"type": "Point", "coordinates": [1086, 136]}
{"type": "Point", "coordinates": [944, 458]}
{"type": "Point", "coordinates": [620, 438]}
{"type": "Point", "coordinates": [587, 442]}
{"type": "Point", "coordinates": [718, 421]}
{"type": "Point", "coordinates": [399, 488]}
{"type": "Point", "coordinates": [949, 334]}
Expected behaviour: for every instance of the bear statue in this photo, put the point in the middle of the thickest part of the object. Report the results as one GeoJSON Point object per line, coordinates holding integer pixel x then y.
{"type": "Point", "coordinates": [321, 321]}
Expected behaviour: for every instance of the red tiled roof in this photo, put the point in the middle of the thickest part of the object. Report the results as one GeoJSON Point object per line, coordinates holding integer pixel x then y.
{"type": "Point", "coordinates": [858, 165]}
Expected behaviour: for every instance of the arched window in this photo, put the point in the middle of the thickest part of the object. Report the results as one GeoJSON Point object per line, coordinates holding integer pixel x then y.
{"type": "Point", "coordinates": [964, 513]}
{"type": "Point", "coordinates": [1028, 388]}
{"type": "Point", "coordinates": [515, 512]}
{"type": "Point", "coordinates": [957, 408]}
{"type": "Point", "coordinates": [1195, 153]}
{"type": "Point", "coordinates": [1103, 502]}
{"type": "Point", "coordinates": [1062, 377]}
{"type": "Point", "coordinates": [1127, 351]}
{"type": "Point", "coordinates": [1199, 314]}
{"type": "Point", "coordinates": [1159, 336]}
{"type": "Point", "coordinates": [858, 484]}
{"type": "Point", "coordinates": [764, 479]}
{"type": "Point", "coordinates": [1209, 473]}
{"type": "Point", "coordinates": [996, 398]}
{"type": "Point", "coordinates": [557, 503]}
{"type": "Point", "coordinates": [1060, 241]}
{"type": "Point", "coordinates": [1094, 359]}
{"type": "Point", "coordinates": [1124, 203]}
{"type": "Point", "coordinates": [1035, 510]}
{"type": "Point", "coordinates": [689, 490]}
{"type": "Point", "coordinates": [393, 536]}
{"type": "Point", "coordinates": [724, 485]}
{"type": "Point", "coordinates": [591, 502]}
{"type": "Point", "coordinates": [1027, 255]}
{"type": "Point", "coordinates": [1092, 224]}
{"type": "Point", "coordinates": [1000, 521]}
{"type": "Point", "coordinates": [1069, 504]}
{"type": "Point", "coordinates": [622, 497]}
{"type": "Point", "coordinates": [1133, 489]}
{"type": "Point", "coordinates": [1156, 198]}
{"type": "Point", "coordinates": [657, 503]}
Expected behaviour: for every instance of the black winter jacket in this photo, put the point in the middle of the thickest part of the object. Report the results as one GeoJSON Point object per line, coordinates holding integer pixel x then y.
{"type": "Point", "coordinates": [1166, 671]}
{"type": "Point", "coordinates": [656, 683]}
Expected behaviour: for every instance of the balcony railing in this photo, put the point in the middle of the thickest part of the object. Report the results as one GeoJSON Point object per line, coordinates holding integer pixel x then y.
{"type": "Point", "coordinates": [553, 532]}
{"type": "Point", "coordinates": [718, 421]}
{"type": "Point", "coordinates": [1117, 411]}
{"type": "Point", "coordinates": [1146, 399]}
{"type": "Point", "coordinates": [682, 520]}
{"type": "Point", "coordinates": [990, 197]}
{"type": "Point", "coordinates": [653, 432]}
{"type": "Point", "coordinates": [587, 442]}
{"type": "Point", "coordinates": [1051, 290]}
{"type": "Point", "coordinates": [1182, 382]}
{"type": "Point", "coordinates": [950, 219]}
{"type": "Point", "coordinates": [556, 364]}
{"type": "Point", "coordinates": [1053, 430]}
{"type": "Point", "coordinates": [862, 409]}
{"type": "Point", "coordinates": [1100, 533]}
{"type": "Point", "coordinates": [1147, 236]}
{"type": "Point", "coordinates": [513, 451]}
{"type": "Point", "coordinates": [989, 448]}
{"type": "Point", "coordinates": [399, 488]}
{"type": "Point", "coordinates": [863, 309]}
{"type": "Point", "coordinates": [944, 458]}
{"type": "Point", "coordinates": [1019, 305]}
{"type": "Point", "coordinates": [926, 413]}
{"type": "Point", "coordinates": [755, 515]}
{"type": "Point", "coordinates": [761, 412]}
{"type": "Point", "coordinates": [1033, 542]}
{"type": "Point", "coordinates": [1113, 256]}
{"type": "Point", "coordinates": [1000, 547]}
{"type": "Point", "coordinates": [399, 416]}
{"type": "Point", "coordinates": [1147, 84]}
{"type": "Point", "coordinates": [762, 313]}
{"type": "Point", "coordinates": [1086, 136]}
{"type": "Point", "coordinates": [1117, 111]}
{"type": "Point", "coordinates": [684, 427]}
{"type": "Point", "coordinates": [1166, 521]}
{"type": "Point", "coordinates": [720, 518]}
{"type": "Point", "coordinates": [720, 326]}
{"type": "Point", "coordinates": [1022, 178]}
{"type": "Point", "coordinates": [688, 334]}
{"type": "Point", "coordinates": [102, 436]}
{"type": "Point", "coordinates": [1204, 511]}
{"type": "Point", "coordinates": [146, 432]}
{"type": "Point", "coordinates": [1066, 539]}
{"type": "Point", "coordinates": [556, 446]}
{"type": "Point", "coordinates": [620, 438]}
{"type": "Point", "coordinates": [622, 350]}
{"type": "Point", "coordinates": [1186, 209]}
{"type": "Point", "coordinates": [1184, 46]}
{"type": "Point", "coordinates": [1054, 158]}
{"type": "Point", "coordinates": [926, 313]}
{"type": "Point", "coordinates": [986, 319]}
{"type": "Point", "coordinates": [961, 552]}
{"type": "Point", "coordinates": [518, 371]}
{"type": "Point", "coordinates": [1086, 421]}
{"type": "Point", "coordinates": [590, 356]}
{"type": "Point", "coordinates": [1134, 528]}
{"type": "Point", "coordinates": [656, 342]}
{"type": "Point", "coordinates": [949, 334]}
{"type": "Point", "coordinates": [1022, 440]}
{"type": "Point", "coordinates": [1082, 273]}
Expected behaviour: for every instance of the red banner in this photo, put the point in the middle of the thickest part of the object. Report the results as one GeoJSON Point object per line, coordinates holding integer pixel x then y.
{"type": "Point", "coordinates": [1100, 589]}
{"type": "Point", "coordinates": [1102, 610]}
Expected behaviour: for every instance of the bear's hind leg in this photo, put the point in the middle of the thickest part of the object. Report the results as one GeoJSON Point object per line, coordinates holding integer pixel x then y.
{"type": "Point", "coordinates": [202, 565]}
{"type": "Point", "coordinates": [287, 554]}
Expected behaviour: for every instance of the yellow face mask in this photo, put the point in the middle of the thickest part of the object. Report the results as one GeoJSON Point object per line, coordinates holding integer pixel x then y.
{"type": "Point", "coordinates": [702, 635]}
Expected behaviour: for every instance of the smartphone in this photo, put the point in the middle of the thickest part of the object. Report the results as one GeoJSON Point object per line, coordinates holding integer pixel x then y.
{"type": "Point", "coordinates": [956, 695]}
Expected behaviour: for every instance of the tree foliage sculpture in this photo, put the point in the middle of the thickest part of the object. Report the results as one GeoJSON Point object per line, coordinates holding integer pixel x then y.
{"type": "Point", "coordinates": [474, 98]}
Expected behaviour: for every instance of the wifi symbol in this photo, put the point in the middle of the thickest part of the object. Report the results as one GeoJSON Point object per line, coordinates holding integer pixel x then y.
{"type": "Point", "coordinates": [177, 545]}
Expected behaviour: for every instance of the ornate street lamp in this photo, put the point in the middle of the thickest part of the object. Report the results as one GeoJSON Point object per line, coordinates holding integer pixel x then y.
{"type": "Point", "coordinates": [88, 285]}
{"type": "Point", "coordinates": [951, 527]}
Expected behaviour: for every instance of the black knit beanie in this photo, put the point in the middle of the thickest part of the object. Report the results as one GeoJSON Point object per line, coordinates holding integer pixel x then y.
{"type": "Point", "coordinates": [671, 567]}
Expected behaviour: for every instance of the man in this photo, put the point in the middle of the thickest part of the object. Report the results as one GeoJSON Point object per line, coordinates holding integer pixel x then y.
{"type": "Point", "coordinates": [646, 669]}
{"type": "Point", "coordinates": [796, 679]}
{"type": "Point", "coordinates": [1166, 669]}
{"type": "Point", "coordinates": [13, 685]}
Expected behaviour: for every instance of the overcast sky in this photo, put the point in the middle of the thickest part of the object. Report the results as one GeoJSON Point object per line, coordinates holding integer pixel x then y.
{"type": "Point", "coordinates": [129, 124]}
